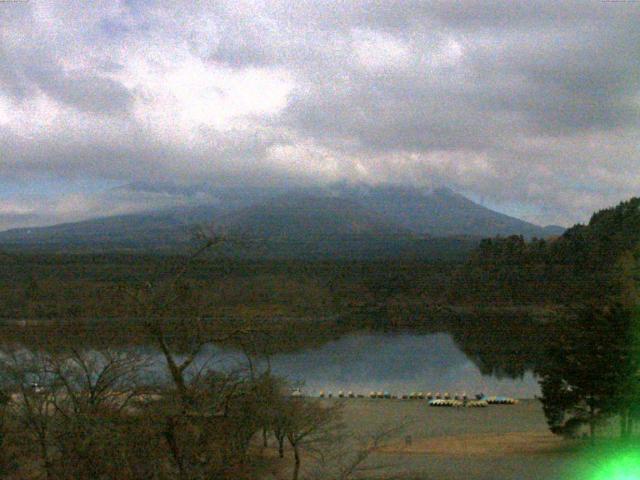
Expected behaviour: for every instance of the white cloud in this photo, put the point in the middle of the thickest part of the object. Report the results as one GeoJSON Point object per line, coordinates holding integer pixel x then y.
{"type": "Point", "coordinates": [379, 51]}
{"type": "Point", "coordinates": [533, 105]}
{"type": "Point", "coordinates": [178, 97]}
{"type": "Point", "coordinates": [5, 111]}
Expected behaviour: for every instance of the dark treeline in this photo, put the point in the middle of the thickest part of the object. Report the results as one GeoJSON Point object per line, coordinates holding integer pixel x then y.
{"type": "Point", "coordinates": [252, 246]}
{"type": "Point", "coordinates": [39, 286]}
{"type": "Point", "coordinates": [580, 265]}
{"type": "Point", "coordinates": [503, 272]}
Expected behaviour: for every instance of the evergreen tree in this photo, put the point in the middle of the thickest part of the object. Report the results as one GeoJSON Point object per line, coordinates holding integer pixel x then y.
{"type": "Point", "coordinates": [589, 370]}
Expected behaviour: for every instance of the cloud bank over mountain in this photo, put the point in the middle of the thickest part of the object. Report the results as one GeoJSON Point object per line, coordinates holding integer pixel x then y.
{"type": "Point", "coordinates": [533, 106]}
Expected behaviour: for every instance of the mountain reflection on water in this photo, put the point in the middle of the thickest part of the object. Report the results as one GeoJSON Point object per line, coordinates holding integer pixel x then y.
{"type": "Point", "coordinates": [394, 362]}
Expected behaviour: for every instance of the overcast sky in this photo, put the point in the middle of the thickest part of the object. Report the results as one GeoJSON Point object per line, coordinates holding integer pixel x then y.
{"type": "Point", "coordinates": [531, 107]}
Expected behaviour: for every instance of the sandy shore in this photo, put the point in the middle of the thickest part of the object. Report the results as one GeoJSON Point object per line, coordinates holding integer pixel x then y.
{"type": "Point", "coordinates": [500, 442]}
{"type": "Point", "coordinates": [487, 445]}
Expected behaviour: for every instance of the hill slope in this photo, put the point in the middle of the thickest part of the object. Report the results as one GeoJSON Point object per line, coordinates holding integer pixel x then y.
{"type": "Point", "coordinates": [133, 231]}
{"type": "Point", "coordinates": [443, 213]}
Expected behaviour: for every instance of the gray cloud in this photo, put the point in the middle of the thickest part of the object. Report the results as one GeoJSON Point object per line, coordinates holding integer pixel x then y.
{"type": "Point", "coordinates": [534, 104]}
{"type": "Point", "coordinates": [32, 63]}
{"type": "Point", "coordinates": [87, 93]}
{"type": "Point", "coordinates": [23, 77]}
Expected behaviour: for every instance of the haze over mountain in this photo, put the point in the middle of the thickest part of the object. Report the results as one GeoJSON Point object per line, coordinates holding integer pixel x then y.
{"type": "Point", "coordinates": [385, 218]}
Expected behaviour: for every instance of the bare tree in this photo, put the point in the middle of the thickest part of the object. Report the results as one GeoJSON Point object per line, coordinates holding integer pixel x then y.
{"type": "Point", "coordinates": [153, 302]}
{"type": "Point", "coordinates": [188, 329]}
{"type": "Point", "coordinates": [309, 426]}
{"type": "Point", "coordinates": [210, 417]}
{"type": "Point", "coordinates": [96, 379]}
{"type": "Point", "coordinates": [349, 456]}
{"type": "Point", "coordinates": [28, 376]}
{"type": "Point", "coordinates": [70, 404]}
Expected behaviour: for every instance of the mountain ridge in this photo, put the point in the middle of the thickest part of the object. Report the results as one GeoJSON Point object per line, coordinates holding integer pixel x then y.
{"type": "Point", "coordinates": [387, 217]}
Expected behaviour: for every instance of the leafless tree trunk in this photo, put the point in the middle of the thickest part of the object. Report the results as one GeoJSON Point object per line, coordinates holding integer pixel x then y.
{"type": "Point", "coordinates": [296, 465]}
{"type": "Point", "coordinates": [280, 446]}
{"type": "Point", "coordinates": [170, 436]}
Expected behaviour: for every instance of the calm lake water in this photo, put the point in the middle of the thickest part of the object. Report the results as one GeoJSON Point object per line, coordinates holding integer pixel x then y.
{"type": "Point", "coordinates": [398, 363]}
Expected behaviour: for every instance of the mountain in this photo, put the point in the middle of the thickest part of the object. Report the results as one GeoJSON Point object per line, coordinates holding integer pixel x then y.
{"type": "Point", "coordinates": [308, 217]}
{"type": "Point", "coordinates": [340, 220]}
{"type": "Point", "coordinates": [300, 225]}
{"type": "Point", "coordinates": [443, 213]}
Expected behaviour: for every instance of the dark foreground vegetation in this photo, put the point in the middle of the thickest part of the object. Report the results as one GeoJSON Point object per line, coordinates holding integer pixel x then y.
{"type": "Point", "coordinates": [72, 412]}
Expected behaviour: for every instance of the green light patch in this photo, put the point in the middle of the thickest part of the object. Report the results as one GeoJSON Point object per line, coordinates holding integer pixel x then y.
{"type": "Point", "coordinates": [620, 465]}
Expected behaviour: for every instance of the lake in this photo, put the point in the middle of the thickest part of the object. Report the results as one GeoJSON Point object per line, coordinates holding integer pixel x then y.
{"type": "Point", "coordinates": [394, 362]}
